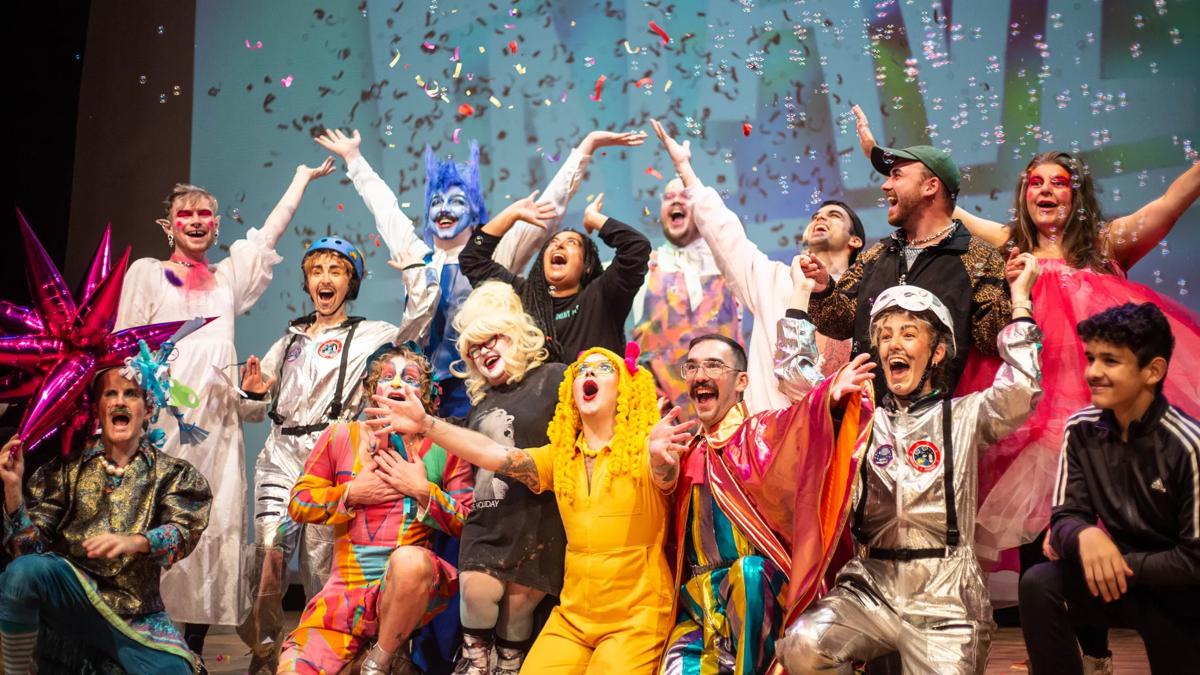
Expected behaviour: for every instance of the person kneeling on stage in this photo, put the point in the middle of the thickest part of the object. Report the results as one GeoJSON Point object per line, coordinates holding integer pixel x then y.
{"type": "Point", "coordinates": [914, 585]}
{"type": "Point", "coordinates": [91, 534]}
{"type": "Point", "coordinates": [384, 495]}
{"type": "Point", "coordinates": [1129, 461]}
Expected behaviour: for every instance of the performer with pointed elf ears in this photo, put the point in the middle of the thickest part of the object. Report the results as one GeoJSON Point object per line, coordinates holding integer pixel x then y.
{"type": "Point", "coordinates": [92, 531]}
{"type": "Point", "coordinates": [914, 585]}
{"type": "Point", "coordinates": [385, 495]}
{"type": "Point", "coordinates": [308, 380]}
{"type": "Point", "coordinates": [760, 284]}
{"type": "Point", "coordinates": [615, 610]}
{"type": "Point", "coordinates": [205, 588]}
{"type": "Point", "coordinates": [513, 542]}
{"type": "Point", "coordinates": [454, 207]}
{"type": "Point", "coordinates": [759, 501]}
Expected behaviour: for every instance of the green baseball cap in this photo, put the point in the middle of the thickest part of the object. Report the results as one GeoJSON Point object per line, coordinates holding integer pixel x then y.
{"type": "Point", "coordinates": [937, 161]}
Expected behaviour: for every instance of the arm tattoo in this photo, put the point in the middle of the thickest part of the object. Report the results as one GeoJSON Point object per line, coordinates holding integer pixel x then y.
{"type": "Point", "coordinates": [666, 474]}
{"type": "Point", "coordinates": [519, 465]}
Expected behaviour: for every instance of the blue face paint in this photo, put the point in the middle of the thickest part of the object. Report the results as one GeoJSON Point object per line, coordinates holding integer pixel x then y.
{"type": "Point", "coordinates": [452, 192]}
{"type": "Point", "coordinates": [449, 213]}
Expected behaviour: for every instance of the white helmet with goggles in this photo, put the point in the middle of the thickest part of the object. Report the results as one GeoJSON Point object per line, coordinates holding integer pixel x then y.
{"type": "Point", "coordinates": [916, 299]}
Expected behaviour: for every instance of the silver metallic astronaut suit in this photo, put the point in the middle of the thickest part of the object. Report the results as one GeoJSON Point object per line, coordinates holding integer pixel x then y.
{"type": "Point", "coordinates": [914, 585]}
{"type": "Point", "coordinates": [318, 380]}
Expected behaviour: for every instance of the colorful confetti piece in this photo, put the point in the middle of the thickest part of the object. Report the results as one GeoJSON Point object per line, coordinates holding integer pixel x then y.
{"type": "Point", "coordinates": [512, 46]}
{"type": "Point", "coordinates": [287, 81]}
{"type": "Point", "coordinates": [599, 85]}
{"type": "Point", "coordinates": [654, 172]}
{"type": "Point", "coordinates": [495, 101]}
{"type": "Point", "coordinates": [257, 44]}
{"type": "Point", "coordinates": [459, 128]}
{"type": "Point", "coordinates": [645, 81]}
{"type": "Point", "coordinates": [747, 128]}
{"type": "Point", "coordinates": [466, 110]}
{"type": "Point", "coordinates": [661, 33]}
{"type": "Point", "coordinates": [395, 60]}
{"type": "Point", "coordinates": [631, 50]}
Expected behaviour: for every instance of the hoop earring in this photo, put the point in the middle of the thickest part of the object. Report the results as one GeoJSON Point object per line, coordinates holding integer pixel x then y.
{"type": "Point", "coordinates": [171, 241]}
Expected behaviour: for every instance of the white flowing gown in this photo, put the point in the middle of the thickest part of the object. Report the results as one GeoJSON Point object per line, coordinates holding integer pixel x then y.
{"type": "Point", "coordinates": [205, 587]}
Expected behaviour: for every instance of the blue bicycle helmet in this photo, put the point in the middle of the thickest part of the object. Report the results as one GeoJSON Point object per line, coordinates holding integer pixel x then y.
{"type": "Point", "coordinates": [348, 251]}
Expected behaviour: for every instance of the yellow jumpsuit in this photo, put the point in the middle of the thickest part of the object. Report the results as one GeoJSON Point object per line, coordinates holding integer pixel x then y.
{"type": "Point", "coordinates": [615, 612]}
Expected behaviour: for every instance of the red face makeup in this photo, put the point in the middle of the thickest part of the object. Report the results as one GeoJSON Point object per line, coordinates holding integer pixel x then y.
{"type": "Point", "coordinates": [1048, 195]}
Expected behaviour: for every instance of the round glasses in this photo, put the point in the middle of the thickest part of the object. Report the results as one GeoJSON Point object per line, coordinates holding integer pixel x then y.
{"type": "Point", "coordinates": [474, 351]}
{"type": "Point", "coordinates": [595, 368]}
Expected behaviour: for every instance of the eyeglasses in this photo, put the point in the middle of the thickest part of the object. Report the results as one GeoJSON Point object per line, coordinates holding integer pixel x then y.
{"type": "Point", "coordinates": [595, 368]}
{"type": "Point", "coordinates": [711, 368]}
{"type": "Point", "coordinates": [474, 351]}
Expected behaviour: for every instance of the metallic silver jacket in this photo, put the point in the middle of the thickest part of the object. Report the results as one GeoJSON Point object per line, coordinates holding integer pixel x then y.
{"type": "Point", "coordinates": [796, 358]}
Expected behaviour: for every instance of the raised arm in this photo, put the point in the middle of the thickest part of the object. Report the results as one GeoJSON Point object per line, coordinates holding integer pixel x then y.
{"type": "Point", "coordinates": [1131, 237]}
{"type": "Point", "coordinates": [796, 353]}
{"type": "Point", "coordinates": [409, 417]}
{"type": "Point", "coordinates": [280, 216]}
{"type": "Point", "coordinates": [622, 279]}
{"type": "Point", "coordinates": [752, 276]}
{"type": "Point", "coordinates": [395, 228]}
{"type": "Point", "coordinates": [1017, 386]}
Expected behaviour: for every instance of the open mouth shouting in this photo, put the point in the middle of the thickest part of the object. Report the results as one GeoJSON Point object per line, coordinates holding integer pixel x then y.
{"type": "Point", "coordinates": [120, 418]}
{"type": "Point", "coordinates": [704, 394]}
{"type": "Point", "coordinates": [590, 389]}
{"type": "Point", "coordinates": [445, 221]}
{"type": "Point", "coordinates": [558, 259]}
{"type": "Point", "coordinates": [326, 294]}
{"type": "Point", "coordinates": [490, 362]}
{"type": "Point", "coordinates": [677, 215]}
{"type": "Point", "coordinates": [898, 367]}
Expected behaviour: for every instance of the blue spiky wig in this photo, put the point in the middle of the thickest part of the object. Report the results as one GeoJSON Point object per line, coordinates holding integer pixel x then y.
{"type": "Point", "coordinates": [441, 175]}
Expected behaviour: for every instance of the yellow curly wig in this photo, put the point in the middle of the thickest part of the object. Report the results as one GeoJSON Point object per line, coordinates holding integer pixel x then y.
{"type": "Point", "coordinates": [494, 308]}
{"type": "Point", "coordinates": [637, 413]}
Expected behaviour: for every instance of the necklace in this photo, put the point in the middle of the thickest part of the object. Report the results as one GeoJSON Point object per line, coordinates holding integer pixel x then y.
{"type": "Point", "coordinates": [932, 237]}
{"type": "Point", "coordinates": [113, 470]}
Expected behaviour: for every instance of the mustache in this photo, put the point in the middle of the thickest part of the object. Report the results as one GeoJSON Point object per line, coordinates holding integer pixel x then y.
{"type": "Point", "coordinates": [121, 410]}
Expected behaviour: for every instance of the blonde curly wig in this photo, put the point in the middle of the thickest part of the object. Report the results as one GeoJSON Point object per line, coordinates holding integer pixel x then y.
{"type": "Point", "coordinates": [637, 413]}
{"type": "Point", "coordinates": [494, 308]}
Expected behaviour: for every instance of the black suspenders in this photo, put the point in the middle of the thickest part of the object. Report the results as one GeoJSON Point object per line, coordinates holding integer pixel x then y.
{"type": "Point", "coordinates": [952, 534]}
{"type": "Point", "coordinates": [337, 405]}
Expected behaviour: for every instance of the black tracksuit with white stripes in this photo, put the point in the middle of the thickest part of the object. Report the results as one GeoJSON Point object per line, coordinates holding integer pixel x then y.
{"type": "Point", "coordinates": [1146, 493]}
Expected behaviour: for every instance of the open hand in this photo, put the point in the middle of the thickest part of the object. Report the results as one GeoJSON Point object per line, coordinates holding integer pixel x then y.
{"type": "Point", "coordinates": [114, 545]}
{"type": "Point", "coordinates": [404, 417]}
{"type": "Point", "coordinates": [325, 169]}
{"type": "Point", "coordinates": [593, 220]}
{"type": "Point", "coordinates": [679, 154]}
{"type": "Point", "coordinates": [532, 212]}
{"type": "Point", "coordinates": [865, 138]}
{"type": "Point", "coordinates": [407, 477]}
{"type": "Point", "coordinates": [368, 487]}
{"type": "Point", "coordinates": [854, 377]}
{"type": "Point", "coordinates": [1103, 565]}
{"type": "Point", "coordinates": [601, 139]}
{"type": "Point", "coordinates": [346, 147]}
{"type": "Point", "coordinates": [666, 442]}
{"type": "Point", "coordinates": [252, 378]}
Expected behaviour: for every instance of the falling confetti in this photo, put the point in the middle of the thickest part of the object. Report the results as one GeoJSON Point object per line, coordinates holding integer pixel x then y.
{"type": "Point", "coordinates": [599, 86]}
{"type": "Point", "coordinates": [257, 44]}
{"type": "Point", "coordinates": [286, 82]}
{"type": "Point", "coordinates": [466, 110]}
{"type": "Point", "coordinates": [645, 81]}
{"type": "Point", "coordinates": [654, 172]}
{"type": "Point", "coordinates": [631, 50]}
{"type": "Point", "coordinates": [747, 128]}
{"type": "Point", "coordinates": [456, 130]}
{"type": "Point", "coordinates": [512, 47]}
{"type": "Point", "coordinates": [395, 60]}
{"type": "Point", "coordinates": [661, 33]}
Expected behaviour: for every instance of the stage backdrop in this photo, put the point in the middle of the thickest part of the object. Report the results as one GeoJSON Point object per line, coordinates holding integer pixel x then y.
{"type": "Point", "coordinates": [762, 89]}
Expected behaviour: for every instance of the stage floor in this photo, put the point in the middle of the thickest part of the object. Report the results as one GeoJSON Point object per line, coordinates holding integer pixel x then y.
{"type": "Point", "coordinates": [1008, 652]}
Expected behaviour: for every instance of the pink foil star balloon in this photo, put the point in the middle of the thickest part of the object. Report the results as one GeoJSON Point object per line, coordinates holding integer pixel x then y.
{"type": "Point", "coordinates": [55, 348]}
